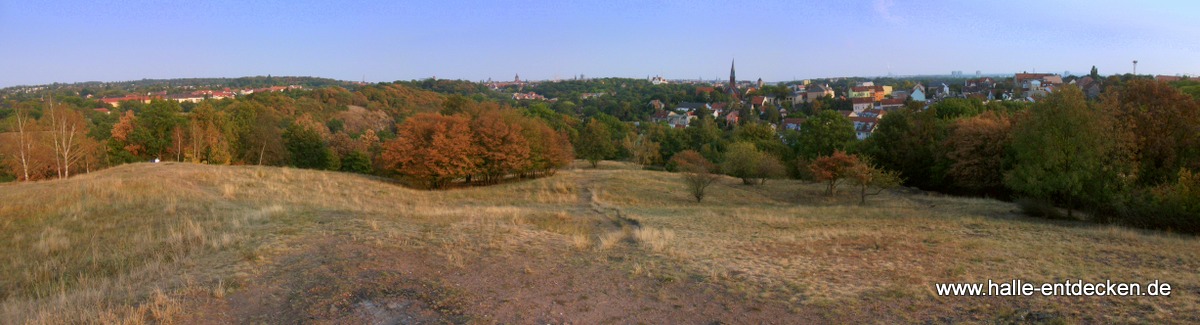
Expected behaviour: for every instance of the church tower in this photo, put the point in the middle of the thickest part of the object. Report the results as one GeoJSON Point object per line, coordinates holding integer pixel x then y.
{"type": "Point", "coordinates": [732, 80]}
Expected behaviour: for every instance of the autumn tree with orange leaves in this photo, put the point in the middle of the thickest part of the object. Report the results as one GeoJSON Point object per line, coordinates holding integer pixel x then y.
{"type": "Point", "coordinates": [432, 149]}
{"type": "Point", "coordinates": [122, 148]}
{"type": "Point", "coordinates": [832, 169]}
{"type": "Point", "coordinates": [977, 147]}
{"type": "Point", "coordinates": [549, 150]}
{"type": "Point", "coordinates": [500, 147]}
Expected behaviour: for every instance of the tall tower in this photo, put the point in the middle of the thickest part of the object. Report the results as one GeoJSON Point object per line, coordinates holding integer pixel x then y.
{"type": "Point", "coordinates": [732, 80]}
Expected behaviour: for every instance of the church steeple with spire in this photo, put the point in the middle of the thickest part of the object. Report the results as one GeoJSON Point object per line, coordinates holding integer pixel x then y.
{"type": "Point", "coordinates": [732, 90]}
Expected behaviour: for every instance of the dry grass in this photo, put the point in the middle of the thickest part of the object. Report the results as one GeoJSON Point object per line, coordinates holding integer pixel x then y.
{"type": "Point", "coordinates": [126, 244]}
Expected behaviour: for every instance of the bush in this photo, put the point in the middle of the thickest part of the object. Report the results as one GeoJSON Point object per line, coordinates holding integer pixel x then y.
{"type": "Point", "coordinates": [1039, 208]}
{"type": "Point", "coordinates": [356, 162]}
{"type": "Point", "coordinates": [1173, 206]}
{"type": "Point", "coordinates": [697, 172]}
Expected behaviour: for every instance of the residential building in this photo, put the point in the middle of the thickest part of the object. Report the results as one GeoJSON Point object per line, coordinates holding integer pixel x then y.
{"type": "Point", "coordinates": [528, 96]}
{"type": "Point", "coordinates": [691, 106]}
{"type": "Point", "coordinates": [862, 104]}
{"type": "Point", "coordinates": [792, 124]}
{"type": "Point", "coordinates": [918, 93]}
{"type": "Point", "coordinates": [816, 92]}
{"type": "Point", "coordinates": [880, 92]}
{"type": "Point", "coordinates": [657, 105]}
{"type": "Point", "coordinates": [865, 122]}
{"type": "Point", "coordinates": [1031, 84]}
{"type": "Point", "coordinates": [888, 104]}
{"type": "Point", "coordinates": [732, 118]}
{"type": "Point", "coordinates": [1164, 78]}
{"type": "Point", "coordinates": [862, 92]}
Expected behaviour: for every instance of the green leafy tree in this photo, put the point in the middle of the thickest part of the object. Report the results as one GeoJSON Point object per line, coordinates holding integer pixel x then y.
{"type": "Point", "coordinates": [705, 137]}
{"type": "Point", "coordinates": [910, 142]}
{"type": "Point", "coordinates": [595, 142]}
{"type": "Point", "coordinates": [307, 149]}
{"type": "Point", "coordinates": [753, 166]}
{"type": "Point", "coordinates": [155, 126]}
{"type": "Point", "coordinates": [824, 133]}
{"type": "Point", "coordinates": [1063, 153]}
{"type": "Point", "coordinates": [742, 161]}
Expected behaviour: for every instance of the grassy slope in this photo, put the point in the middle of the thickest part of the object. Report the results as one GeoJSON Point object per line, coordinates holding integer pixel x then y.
{"type": "Point", "coordinates": [193, 243]}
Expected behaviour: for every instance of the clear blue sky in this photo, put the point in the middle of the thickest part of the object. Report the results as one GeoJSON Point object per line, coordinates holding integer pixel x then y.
{"type": "Point", "coordinates": [69, 41]}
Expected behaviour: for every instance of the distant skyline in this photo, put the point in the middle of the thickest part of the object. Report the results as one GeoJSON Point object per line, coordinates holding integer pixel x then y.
{"type": "Point", "coordinates": [74, 41]}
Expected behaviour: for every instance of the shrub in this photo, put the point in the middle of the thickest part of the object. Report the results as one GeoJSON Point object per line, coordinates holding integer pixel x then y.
{"type": "Point", "coordinates": [832, 169]}
{"type": "Point", "coordinates": [697, 172]}
{"type": "Point", "coordinates": [1038, 208]}
{"type": "Point", "coordinates": [1173, 206]}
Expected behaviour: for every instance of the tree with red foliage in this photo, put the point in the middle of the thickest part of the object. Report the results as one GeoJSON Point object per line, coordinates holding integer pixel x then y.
{"type": "Point", "coordinates": [432, 149]}
{"type": "Point", "coordinates": [833, 168]}
{"type": "Point", "coordinates": [500, 147]}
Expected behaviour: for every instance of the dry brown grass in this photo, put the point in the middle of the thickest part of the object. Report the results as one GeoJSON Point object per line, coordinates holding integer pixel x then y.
{"type": "Point", "coordinates": [126, 244]}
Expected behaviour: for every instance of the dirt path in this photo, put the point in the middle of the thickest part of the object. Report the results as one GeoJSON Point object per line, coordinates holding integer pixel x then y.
{"type": "Point", "coordinates": [588, 201]}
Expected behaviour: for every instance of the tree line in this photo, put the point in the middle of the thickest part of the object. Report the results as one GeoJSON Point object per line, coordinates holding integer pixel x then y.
{"type": "Point", "coordinates": [380, 129]}
{"type": "Point", "coordinates": [1130, 157]}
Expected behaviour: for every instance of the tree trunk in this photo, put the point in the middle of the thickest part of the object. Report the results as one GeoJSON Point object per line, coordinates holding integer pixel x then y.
{"type": "Point", "coordinates": [862, 195]}
{"type": "Point", "coordinates": [23, 143]}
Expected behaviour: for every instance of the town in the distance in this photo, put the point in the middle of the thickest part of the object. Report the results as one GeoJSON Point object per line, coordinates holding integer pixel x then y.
{"type": "Point", "coordinates": [864, 100]}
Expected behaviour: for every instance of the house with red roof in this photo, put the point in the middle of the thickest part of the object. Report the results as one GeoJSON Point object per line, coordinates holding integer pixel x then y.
{"type": "Point", "coordinates": [792, 124]}
{"type": "Point", "coordinates": [863, 103]}
{"type": "Point", "coordinates": [891, 104]}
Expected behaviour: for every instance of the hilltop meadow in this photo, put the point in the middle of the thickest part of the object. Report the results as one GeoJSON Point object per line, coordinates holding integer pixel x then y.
{"type": "Point", "coordinates": [193, 243]}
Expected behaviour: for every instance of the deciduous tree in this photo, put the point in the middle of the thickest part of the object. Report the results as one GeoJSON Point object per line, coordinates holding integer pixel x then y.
{"type": "Point", "coordinates": [1063, 153]}
{"type": "Point", "coordinates": [697, 172]}
{"type": "Point", "coordinates": [23, 125]}
{"type": "Point", "coordinates": [432, 149]}
{"type": "Point", "coordinates": [833, 168]}
{"type": "Point", "coordinates": [743, 160]}
{"type": "Point", "coordinates": [824, 133]}
{"type": "Point", "coordinates": [1163, 122]}
{"type": "Point", "coordinates": [67, 130]}
{"type": "Point", "coordinates": [595, 142]}
{"type": "Point", "coordinates": [501, 149]}
{"type": "Point", "coordinates": [307, 149]}
{"type": "Point", "coordinates": [977, 148]}
{"type": "Point", "coordinates": [122, 147]}
{"type": "Point", "coordinates": [869, 177]}
{"type": "Point", "coordinates": [549, 150]}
